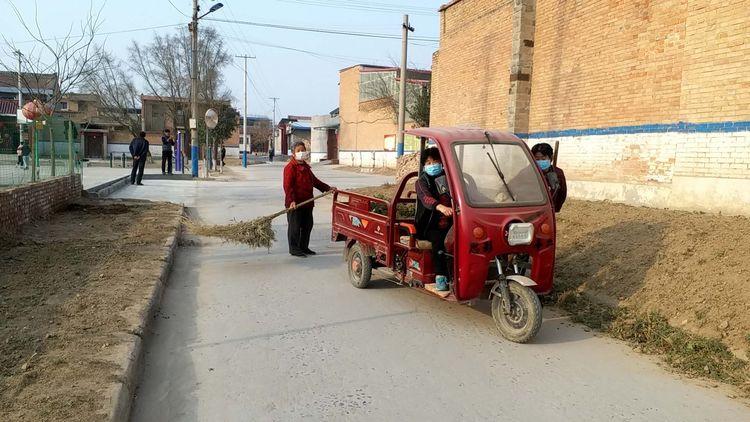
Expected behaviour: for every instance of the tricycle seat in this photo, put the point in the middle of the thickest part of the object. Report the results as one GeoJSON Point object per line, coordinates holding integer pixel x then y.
{"type": "Point", "coordinates": [422, 245]}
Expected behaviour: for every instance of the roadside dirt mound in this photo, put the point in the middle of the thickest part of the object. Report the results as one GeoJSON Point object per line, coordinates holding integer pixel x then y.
{"type": "Point", "coordinates": [69, 289]}
{"type": "Point", "coordinates": [692, 268]}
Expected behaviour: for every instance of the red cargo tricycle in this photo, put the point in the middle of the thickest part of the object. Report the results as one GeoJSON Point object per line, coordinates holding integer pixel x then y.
{"type": "Point", "coordinates": [501, 242]}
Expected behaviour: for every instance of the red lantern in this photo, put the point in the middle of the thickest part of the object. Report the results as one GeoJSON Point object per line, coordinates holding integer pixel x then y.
{"type": "Point", "coordinates": [30, 110]}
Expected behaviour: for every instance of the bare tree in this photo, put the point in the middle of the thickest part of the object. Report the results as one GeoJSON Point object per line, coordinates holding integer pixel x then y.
{"type": "Point", "coordinates": [56, 66]}
{"type": "Point", "coordinates": [383, 90]}
{"type": "Point", "coordinates": [164, 66]}
{"type": "Point", "coordinates": [119, 99]}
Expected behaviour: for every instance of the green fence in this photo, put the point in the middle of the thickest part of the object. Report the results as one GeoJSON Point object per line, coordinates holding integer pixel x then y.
{"type": "Point", "coordinates": [52, 149]}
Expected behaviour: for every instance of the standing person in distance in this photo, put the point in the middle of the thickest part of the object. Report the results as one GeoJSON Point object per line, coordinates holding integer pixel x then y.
{"type": "Point", "coordinates": [543, 154]}
{"type": "Point", "coordinates": [167, 142]}
{"type": "Point", "coordinates": [139, 152]}
{"type": "Point", "coordinates": [299, 182]}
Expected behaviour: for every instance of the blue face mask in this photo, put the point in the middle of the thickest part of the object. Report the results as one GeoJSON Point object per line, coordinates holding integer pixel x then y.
{"type": "Point", "coordinates": [433, 169]}
{"type": "Point", "coordinates": [544, 164]}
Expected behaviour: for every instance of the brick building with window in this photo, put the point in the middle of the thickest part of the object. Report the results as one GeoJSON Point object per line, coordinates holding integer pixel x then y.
{"type": "Point", "coordinates": [367, 115]}
{"type": "Point", "coordinates": [650, 101]}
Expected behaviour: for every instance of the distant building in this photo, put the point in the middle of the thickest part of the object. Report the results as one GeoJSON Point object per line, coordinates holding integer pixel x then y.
{"type": "Point", "coordinates": [367, 112]}
{"type": "Point", "coordinates": [324, 137]}
{"type": "Point", "coordinates": [32, 85]}
{"type": "Point", "coordinates": [292, 129]}
{"type": "Point", "coordinates": [101, 134]}
{"type": "Point", "coordinates": [259, 133]}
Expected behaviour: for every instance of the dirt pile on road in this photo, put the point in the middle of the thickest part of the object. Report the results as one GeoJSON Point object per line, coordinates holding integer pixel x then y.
{"type": "Point", "coordinates": [70, 287]}
{"type": "Point", "coordinates": [692, 268]}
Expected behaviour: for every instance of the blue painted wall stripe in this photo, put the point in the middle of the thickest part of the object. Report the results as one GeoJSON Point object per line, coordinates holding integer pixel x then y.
{"type": "Point", "coordinates": [681, 127]}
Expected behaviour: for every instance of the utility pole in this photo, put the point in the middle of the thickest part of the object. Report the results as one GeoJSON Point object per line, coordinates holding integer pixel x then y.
{"type": "Point", "coordinates": [194, 90]}
{"type": "Point", "coordinates": [272, 143]}
{"type": "Point", "coordinates": [244, 114]}
{"type": "Point", "coordinates": [402, 87]}
{"type": "Point", "coordinates": [20, 96]}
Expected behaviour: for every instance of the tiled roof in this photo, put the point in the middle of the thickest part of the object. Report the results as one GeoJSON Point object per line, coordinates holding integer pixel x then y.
{"type": "Point", "coordinates": [8, 107]}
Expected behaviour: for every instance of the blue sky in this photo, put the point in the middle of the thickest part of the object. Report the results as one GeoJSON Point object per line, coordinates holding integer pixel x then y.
{"type": "Point", "coordinates": [305, 83]}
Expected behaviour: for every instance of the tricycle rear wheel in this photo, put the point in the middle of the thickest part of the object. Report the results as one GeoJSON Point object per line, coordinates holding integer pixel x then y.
{"type": "Point", "coordinates": [360, 267]}
{"type": "Point", "coordinates": [525, 317]}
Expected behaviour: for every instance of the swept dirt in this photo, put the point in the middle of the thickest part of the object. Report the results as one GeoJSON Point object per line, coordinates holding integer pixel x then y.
{"type": "Point", "coordinates": [691, 268]}
{"type": "Point", "coordinates": [70, 288]}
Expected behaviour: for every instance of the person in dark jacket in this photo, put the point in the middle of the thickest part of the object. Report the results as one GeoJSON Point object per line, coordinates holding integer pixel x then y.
{"type": "Point", "coordinates": [139, 152]}
{"type": "Point", "coordinates": [434, 213]}
{"type": "Point", "coordinates": [299, 182]}
{"type": "Point", "coordinates": [543, 154]}
{"type": "Point", "coordinates": [167, 142]}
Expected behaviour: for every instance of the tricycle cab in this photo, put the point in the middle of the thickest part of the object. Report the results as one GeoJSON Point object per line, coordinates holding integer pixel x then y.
{"type": "Point", "coordinates": [512, 219]}
{"type": "Point", "coordinates": [502, 235]}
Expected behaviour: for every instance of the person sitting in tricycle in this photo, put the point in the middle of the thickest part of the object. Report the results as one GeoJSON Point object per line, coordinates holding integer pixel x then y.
{"type": "Point", "coordinates": [434, 212]}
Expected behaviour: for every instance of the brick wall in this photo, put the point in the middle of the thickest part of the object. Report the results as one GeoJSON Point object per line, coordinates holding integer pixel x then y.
{"type": "Point", "coordinates": [34, 201]}
{"type": "Point", "coordinates": [470, 80]}
{"type": "Point", "coordinates": [649, 99]}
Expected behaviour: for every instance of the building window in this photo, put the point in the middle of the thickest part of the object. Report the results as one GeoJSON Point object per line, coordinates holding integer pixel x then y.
{"type": "Point", "coordinates": [63, 105]}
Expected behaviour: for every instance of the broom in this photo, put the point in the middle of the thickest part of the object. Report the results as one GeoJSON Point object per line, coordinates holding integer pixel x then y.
{"type": "Point", "coordinates": [256, 233]}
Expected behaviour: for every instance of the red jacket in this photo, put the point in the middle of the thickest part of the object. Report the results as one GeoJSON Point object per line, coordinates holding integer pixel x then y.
{"type": "Point", "coordinates": [299, 181]}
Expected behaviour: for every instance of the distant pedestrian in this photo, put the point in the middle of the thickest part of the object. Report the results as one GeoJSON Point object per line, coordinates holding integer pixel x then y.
{"type": "Point", "coordinates": [223, 154]}
{"type": "Point", "coordinates": [19, 153]}
{"type": "Point", "coordinates": [543, 154]}
{"type": "Point", "coordinates": [299, 182]}
{"type": "Point", "coordinates": [25, 153]}
{"type": "Point", "coordinates": [270, 155]}
{"type": "Point", "coordinates": [167, 142]}
{"type": "Point", "coordinates": [139, 152]}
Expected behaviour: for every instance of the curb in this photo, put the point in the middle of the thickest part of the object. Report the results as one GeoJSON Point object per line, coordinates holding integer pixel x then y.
{"type": "Point", "coordinates": [122, 393]}
{"type": "Point", "coordinates": [106, 188]}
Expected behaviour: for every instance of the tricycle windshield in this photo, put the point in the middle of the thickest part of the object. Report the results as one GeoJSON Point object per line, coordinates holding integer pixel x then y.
{"type": "Point", "coordinates": [483, 171]}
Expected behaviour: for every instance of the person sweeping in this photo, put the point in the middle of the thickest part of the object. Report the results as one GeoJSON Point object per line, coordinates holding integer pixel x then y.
{"type": "Point", "coordinates": [299, 182]}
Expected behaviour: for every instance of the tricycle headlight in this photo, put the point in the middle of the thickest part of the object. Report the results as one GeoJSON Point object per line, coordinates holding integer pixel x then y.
{"type": "Point", "coordinates": [520, 234]}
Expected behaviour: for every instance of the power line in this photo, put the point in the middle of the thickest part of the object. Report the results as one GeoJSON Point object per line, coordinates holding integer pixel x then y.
{"type": "Point", "coordinates": [315, 54]}
{"type": "Point", "coordinates": [321, 30]}
{"type": "Point", "coordinates": [178, 10]}
{"type": "Point", "coordinates": [98, 34]}
{"type": "Point", "coordinates": [368, 7]}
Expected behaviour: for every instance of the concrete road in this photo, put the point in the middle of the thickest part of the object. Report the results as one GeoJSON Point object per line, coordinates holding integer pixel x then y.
{"type": "Point", "coordinates": [251, 336]}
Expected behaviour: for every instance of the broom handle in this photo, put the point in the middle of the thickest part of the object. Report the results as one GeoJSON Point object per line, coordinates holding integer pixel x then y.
{"type": "Point", "coordinates": [282, 212]}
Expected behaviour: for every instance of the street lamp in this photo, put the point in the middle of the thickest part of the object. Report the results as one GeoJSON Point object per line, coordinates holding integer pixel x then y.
{"type": "Point", "coordinates": [213, 8]}
{"type": "Point", "coordinates": [193, 27]}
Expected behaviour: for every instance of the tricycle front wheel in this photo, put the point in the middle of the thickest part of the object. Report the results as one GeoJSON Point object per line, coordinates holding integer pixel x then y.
{"type": "Point", "coordinates": [360, 267]}
{"type": "Point", "coordinates": [525, 317]}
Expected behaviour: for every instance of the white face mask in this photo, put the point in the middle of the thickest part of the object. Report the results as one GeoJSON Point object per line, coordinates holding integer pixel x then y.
{"type": "Point", "coordinates": [301, 155]}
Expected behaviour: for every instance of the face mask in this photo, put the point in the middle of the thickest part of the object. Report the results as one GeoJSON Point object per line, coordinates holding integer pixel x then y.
{"type": "Point", "coordinates": [544, 164]}
{"type": "Point", "coordinates": [301, 155]}
{"type": "Point", "coordinates": [433, 169]}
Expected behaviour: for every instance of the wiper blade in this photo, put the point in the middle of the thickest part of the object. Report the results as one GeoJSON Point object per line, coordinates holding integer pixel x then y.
{"type": "Point", "coordinates": [497, 167]}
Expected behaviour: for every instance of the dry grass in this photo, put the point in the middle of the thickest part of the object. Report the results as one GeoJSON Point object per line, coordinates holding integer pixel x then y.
{"type": "Point", "coordinates": [255, 234]}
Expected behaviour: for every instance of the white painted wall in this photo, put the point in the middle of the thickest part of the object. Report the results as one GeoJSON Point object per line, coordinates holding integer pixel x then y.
{"type": "Point", "coordinates": [691, 171]}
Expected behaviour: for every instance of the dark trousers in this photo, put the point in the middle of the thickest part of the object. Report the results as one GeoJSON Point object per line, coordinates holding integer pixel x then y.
{"type": "Point", "coordinates": [300, 226]}
{"type": "Point", "coordinates": [437, 238]}
{"type": "Point", "coordinates": [166, 158]}
{"type": "Point", "coordinates": [20, 160]}
{"type": "Point", "coordinates": [138, 166]}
